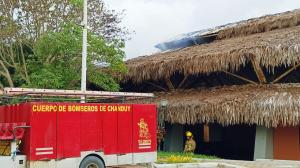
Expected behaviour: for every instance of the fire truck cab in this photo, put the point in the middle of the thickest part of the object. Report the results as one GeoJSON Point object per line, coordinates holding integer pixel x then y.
{"type": "Point", "coordinates": [76, 135]}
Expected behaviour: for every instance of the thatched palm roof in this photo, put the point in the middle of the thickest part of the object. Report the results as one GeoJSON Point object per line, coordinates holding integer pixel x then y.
{"type": "Point", "coordinates": [261, 24]}
{"type": "Point", "coordinates": [268, 105]}
{"type": "Point", "coordinates": [271, 40]}
{"type": "Point", "coordinates": [269, 49]}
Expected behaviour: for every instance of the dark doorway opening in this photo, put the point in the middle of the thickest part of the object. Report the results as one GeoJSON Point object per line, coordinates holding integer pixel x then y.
{"type": "Point", "coordinates": [231, 142]}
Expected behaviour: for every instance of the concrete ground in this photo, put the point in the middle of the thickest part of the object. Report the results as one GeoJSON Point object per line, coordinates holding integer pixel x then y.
{"type": "Point", "coordinates": [128, 166]}
{"type": "Point", "coordinates": [223, 164]}
{"type": "Point", "coordinates": [263, 163]}
{"type": "Point", "coordinates": [233, 164]}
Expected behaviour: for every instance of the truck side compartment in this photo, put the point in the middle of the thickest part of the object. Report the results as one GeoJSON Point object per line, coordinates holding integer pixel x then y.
{"type": "Point", "coordinates": [125, 132]}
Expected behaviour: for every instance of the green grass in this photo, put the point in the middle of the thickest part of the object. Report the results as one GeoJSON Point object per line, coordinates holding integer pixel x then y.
{"type": "Point", "coordinates": [168, 154]}
{"type": "Point", "coordinates": [177, 157]}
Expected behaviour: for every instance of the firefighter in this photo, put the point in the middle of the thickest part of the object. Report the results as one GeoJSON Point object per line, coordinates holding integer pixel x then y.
{"type": "Point", "coordinates": [160, 138]}
{"type": "Point", "coordinates": [190, 144]}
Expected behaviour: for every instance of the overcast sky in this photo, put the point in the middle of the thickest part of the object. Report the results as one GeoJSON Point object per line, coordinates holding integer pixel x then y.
{"type": "Point", "coordinates": [155, 21]}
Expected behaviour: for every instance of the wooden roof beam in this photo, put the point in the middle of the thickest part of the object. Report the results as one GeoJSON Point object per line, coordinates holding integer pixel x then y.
{"type": "Point", "coordinates": [259, 72]}
{"type": "Point", "coordinates": [182, 82]}
{"type": "Point", "coordinates": [169, 84]}
{"type": "Point", "coordinates": [157, 86]}
{"type": "Point", "coordinates": [286, 73]}
{"type": "Point", "coordinates": [240, 77]}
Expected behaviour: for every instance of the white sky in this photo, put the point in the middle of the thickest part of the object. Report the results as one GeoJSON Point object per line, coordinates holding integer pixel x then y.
{"type": "Point", "coordinates": [155, 21]}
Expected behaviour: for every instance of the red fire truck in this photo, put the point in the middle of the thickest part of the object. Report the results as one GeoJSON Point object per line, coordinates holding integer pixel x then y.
{"type": "Point", "coordinates": [76, 135]}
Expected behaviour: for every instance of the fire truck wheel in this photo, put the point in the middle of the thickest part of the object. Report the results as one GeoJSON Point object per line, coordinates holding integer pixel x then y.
{"type": "Point", "coordinates": [92, 162]}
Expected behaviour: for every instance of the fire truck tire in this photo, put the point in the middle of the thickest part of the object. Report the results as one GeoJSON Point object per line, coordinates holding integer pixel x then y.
{"type": "Point", "coordinates": [92, 162]}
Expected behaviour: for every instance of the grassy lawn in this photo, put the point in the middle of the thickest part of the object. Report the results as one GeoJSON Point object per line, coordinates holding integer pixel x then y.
{"type": "Point", "coordinates": [177, 157]}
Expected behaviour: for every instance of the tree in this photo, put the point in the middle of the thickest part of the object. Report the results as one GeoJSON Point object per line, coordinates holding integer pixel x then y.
{"type": "Point", "coordinates": [41, 40]}
{"type": "Point", "coordinates": [59, 57]}
{"type": "Point", "coordinates": [31, 18]}
{"type": "Point", "coordinates": [13, 67]}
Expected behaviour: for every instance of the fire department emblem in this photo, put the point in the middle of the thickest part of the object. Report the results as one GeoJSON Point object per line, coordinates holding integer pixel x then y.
{"type": "Point", "coordinates": [144, 135]}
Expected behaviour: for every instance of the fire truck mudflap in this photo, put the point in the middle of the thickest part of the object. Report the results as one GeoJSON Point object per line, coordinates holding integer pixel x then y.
{"type": "Point", "coordinates": [62, 135]}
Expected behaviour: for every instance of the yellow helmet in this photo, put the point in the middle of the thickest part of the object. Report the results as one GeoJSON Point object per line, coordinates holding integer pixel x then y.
{"type": "Point", "coordinates": [188, 134]}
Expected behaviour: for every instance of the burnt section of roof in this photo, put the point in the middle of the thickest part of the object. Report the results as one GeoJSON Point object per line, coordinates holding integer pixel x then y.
{"type": "Point", "coordinates": [187, 40]}
{"type": "Point", "coordinates": [237, 29]}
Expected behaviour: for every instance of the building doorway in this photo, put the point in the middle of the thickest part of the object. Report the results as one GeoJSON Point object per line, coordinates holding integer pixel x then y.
{"type": "Point", "coordinates": [235, 142]}
{"type": "Point", "coordinates": [230, 142]}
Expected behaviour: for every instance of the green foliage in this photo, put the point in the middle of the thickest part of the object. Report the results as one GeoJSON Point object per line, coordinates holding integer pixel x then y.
{"type": "Point", "coordinates": [77, 3]}
{"type": "Point", "coordinates": [103, 80]}
{"type": "Point", "coordinates": [41, 44]}
{"type": "Point", "coordinates": [47, 78]}
{"type": "Point", "coordinates": [54, 77]}
{"type": "Point", "coordinates": [58, 60]}
{"type": "Point", "coordinates": [60, 47]}
{"type": "Point", "coordinates": [8, 27]}
{"type": "Point", "coordinates": [175, 159]}
{"type": "Point", "coordinates": [179, 157]}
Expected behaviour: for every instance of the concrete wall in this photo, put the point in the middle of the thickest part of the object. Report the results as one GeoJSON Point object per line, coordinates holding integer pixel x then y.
{"type": "Point", "coordinates": [263, 143]}
{"type": "Point", "coordinates": [174, 138]}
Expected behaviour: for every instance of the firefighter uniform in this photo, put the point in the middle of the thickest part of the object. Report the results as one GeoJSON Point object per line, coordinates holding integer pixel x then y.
{"type": "Point", "coordinates": [190, 144]}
